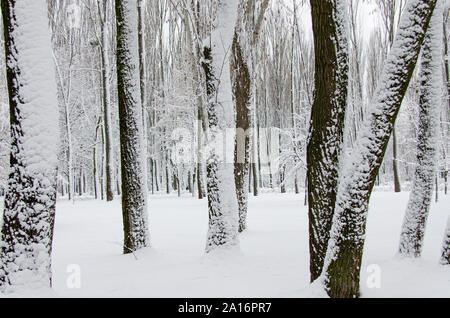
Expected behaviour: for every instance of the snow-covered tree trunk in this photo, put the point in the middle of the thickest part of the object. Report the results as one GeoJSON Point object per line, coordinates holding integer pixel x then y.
{"type": "Point", "coordinates": [143, 81]}
{"type": "Point", "coordinates": [242, 97]}
{"type": "Point", "coordinates": [245, 39]}
{"type": "Point", "coordinates": [327, 122]}
{"type": "Point", "coordinates": [222, 202]}
{"type": "Point", "coordinates": [134, 185]}
{"type": "Point", "coordinates": [413, 230]}
{"type": "Point", "coordinates": [445, 255]}
{"type": "Point", "coordinates": [106, 100]}
{"type": "Point", "coordinates": [29, 213]}
{"type": "Point", "coordinates": [343, 260]}
{"type": "Point", "coordinates": [194, 53]}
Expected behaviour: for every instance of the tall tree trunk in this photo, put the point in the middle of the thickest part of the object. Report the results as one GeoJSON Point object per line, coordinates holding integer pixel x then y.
{"type": "Point", "coordinates": [343, 260]}
{"type": "Point", "coordinates": [134, 185]}
{"type": "Point", "coordinates": [413, 230]}
{"type": "Point", "coordinates": [29, 213]}
{"type": "Point", "coordinates": [194, 53]}
{"type": "Point", "coordinates": [222, 202]}
{"type": "Point", "coordinates": [241, 92]}
{"type": "Point", "coordinates": [243, 87]}
{"type": "Point", "coordinates": [327, 122]}
{"type": "Point", "coordinates": [143, 81]}
{"type": "Point", "coordinates": [106, 98]}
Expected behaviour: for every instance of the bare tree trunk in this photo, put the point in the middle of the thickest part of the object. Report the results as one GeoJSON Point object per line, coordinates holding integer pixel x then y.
{"type": "Point", "coordinates": [327, 123]}
{"type": "Point", "coordinates": [134, 185]}
{"type": "Point", "coordinates": [106, 98]}
{"type": "Point", "coordinates": [143, 81]}
{"type": "Point", "coordinates": [397, 185]}
{"type": "Point", "coordinates": [241, 93]}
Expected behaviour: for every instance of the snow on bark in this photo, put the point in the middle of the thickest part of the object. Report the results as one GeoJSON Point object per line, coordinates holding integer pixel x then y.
{"type": "Point", "coordinates": [28, 218]}
{"type": "Point", "coordinates": [242, 97]}
{"type": "Point", "coordinates": [327, 122]}
{"type": "Point", "coordinates": [106, 99]}
{"type": "Point", "coordinates": [134, 185]}
{"type": "Point", "coordinates": [343, 259]}
{"type": "Point", "coordinates": [445, 255]}
{"type": "Point", "coordinates": [413, 230]}
{"type": "Point", "coordinates": [222, 201]}
{"type": "Point", "coordinates": [243, 66]}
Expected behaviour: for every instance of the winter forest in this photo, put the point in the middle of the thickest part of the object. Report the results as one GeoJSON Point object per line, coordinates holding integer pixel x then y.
{"type": "Point", "coordinates": [225, 148]}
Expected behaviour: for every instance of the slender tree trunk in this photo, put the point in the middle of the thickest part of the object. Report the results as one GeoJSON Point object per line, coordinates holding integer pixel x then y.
{"type": "Point", "coordinates": [134, 185]}
{"type": "Point", "coordinates": [194, 55]}
{"type": "Point", "coordinates": [143, 81]}
{"type": "Point", "coordinates": [106, 98]}
{"type": "Point", "coordinates": [29, 212]}
{"type": "Point", "coordinates": [327, 123]}
{"type": "Point", "coordinates": [397, 184]}
{"type": "Point", "coordinates": [244, 88]}
{"type": "Point", "coordinates": [241, 92]}
{"type": "Point", "coordinates": [94, 172]}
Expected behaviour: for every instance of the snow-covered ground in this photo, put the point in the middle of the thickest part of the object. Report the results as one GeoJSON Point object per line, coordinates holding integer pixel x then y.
{"type": "Point", "coordinates": [272, 260]}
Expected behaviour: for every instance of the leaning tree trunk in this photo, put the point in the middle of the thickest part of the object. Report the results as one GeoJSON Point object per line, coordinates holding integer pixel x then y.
{"type": "Point", "coordinates": [343, 260]}
{"type": "Point", "coordinates": [134, 185]}
{"type": "Point", "coordinates": [222, 202]}
{"type": "Point", "coordinates": [327, 122]}
{"type": "Point", "coordinates": [413, 230]}
{"type": "Point", "coordinates": [29, 214]}
{"type": "Point", "coordinates": [445, 255]}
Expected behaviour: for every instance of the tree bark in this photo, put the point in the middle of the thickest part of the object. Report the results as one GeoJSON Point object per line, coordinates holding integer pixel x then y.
{"type": "Point", "coordinates": [241, 92]}
{"type": "Point", "coordinates": [327, 123]}
{"type": "Point", "coordinates": [134, 185]}
{"type": "Point", "coordinates": [397, 184]}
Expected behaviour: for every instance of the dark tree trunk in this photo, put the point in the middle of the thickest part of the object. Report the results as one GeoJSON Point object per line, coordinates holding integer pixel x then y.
{"type": "Point", "coordinates": [327, 124]}
{"type": "Point", "coordinates": [397, 184]}
{"type": "Point", "coordinates": [134, 185]}
{"type": "Point", "coordinates": [241, 92]}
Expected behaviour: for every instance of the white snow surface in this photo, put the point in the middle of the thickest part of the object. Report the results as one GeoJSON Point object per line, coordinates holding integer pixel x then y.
{"type": "Point", "coordinates": [272, 260]}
